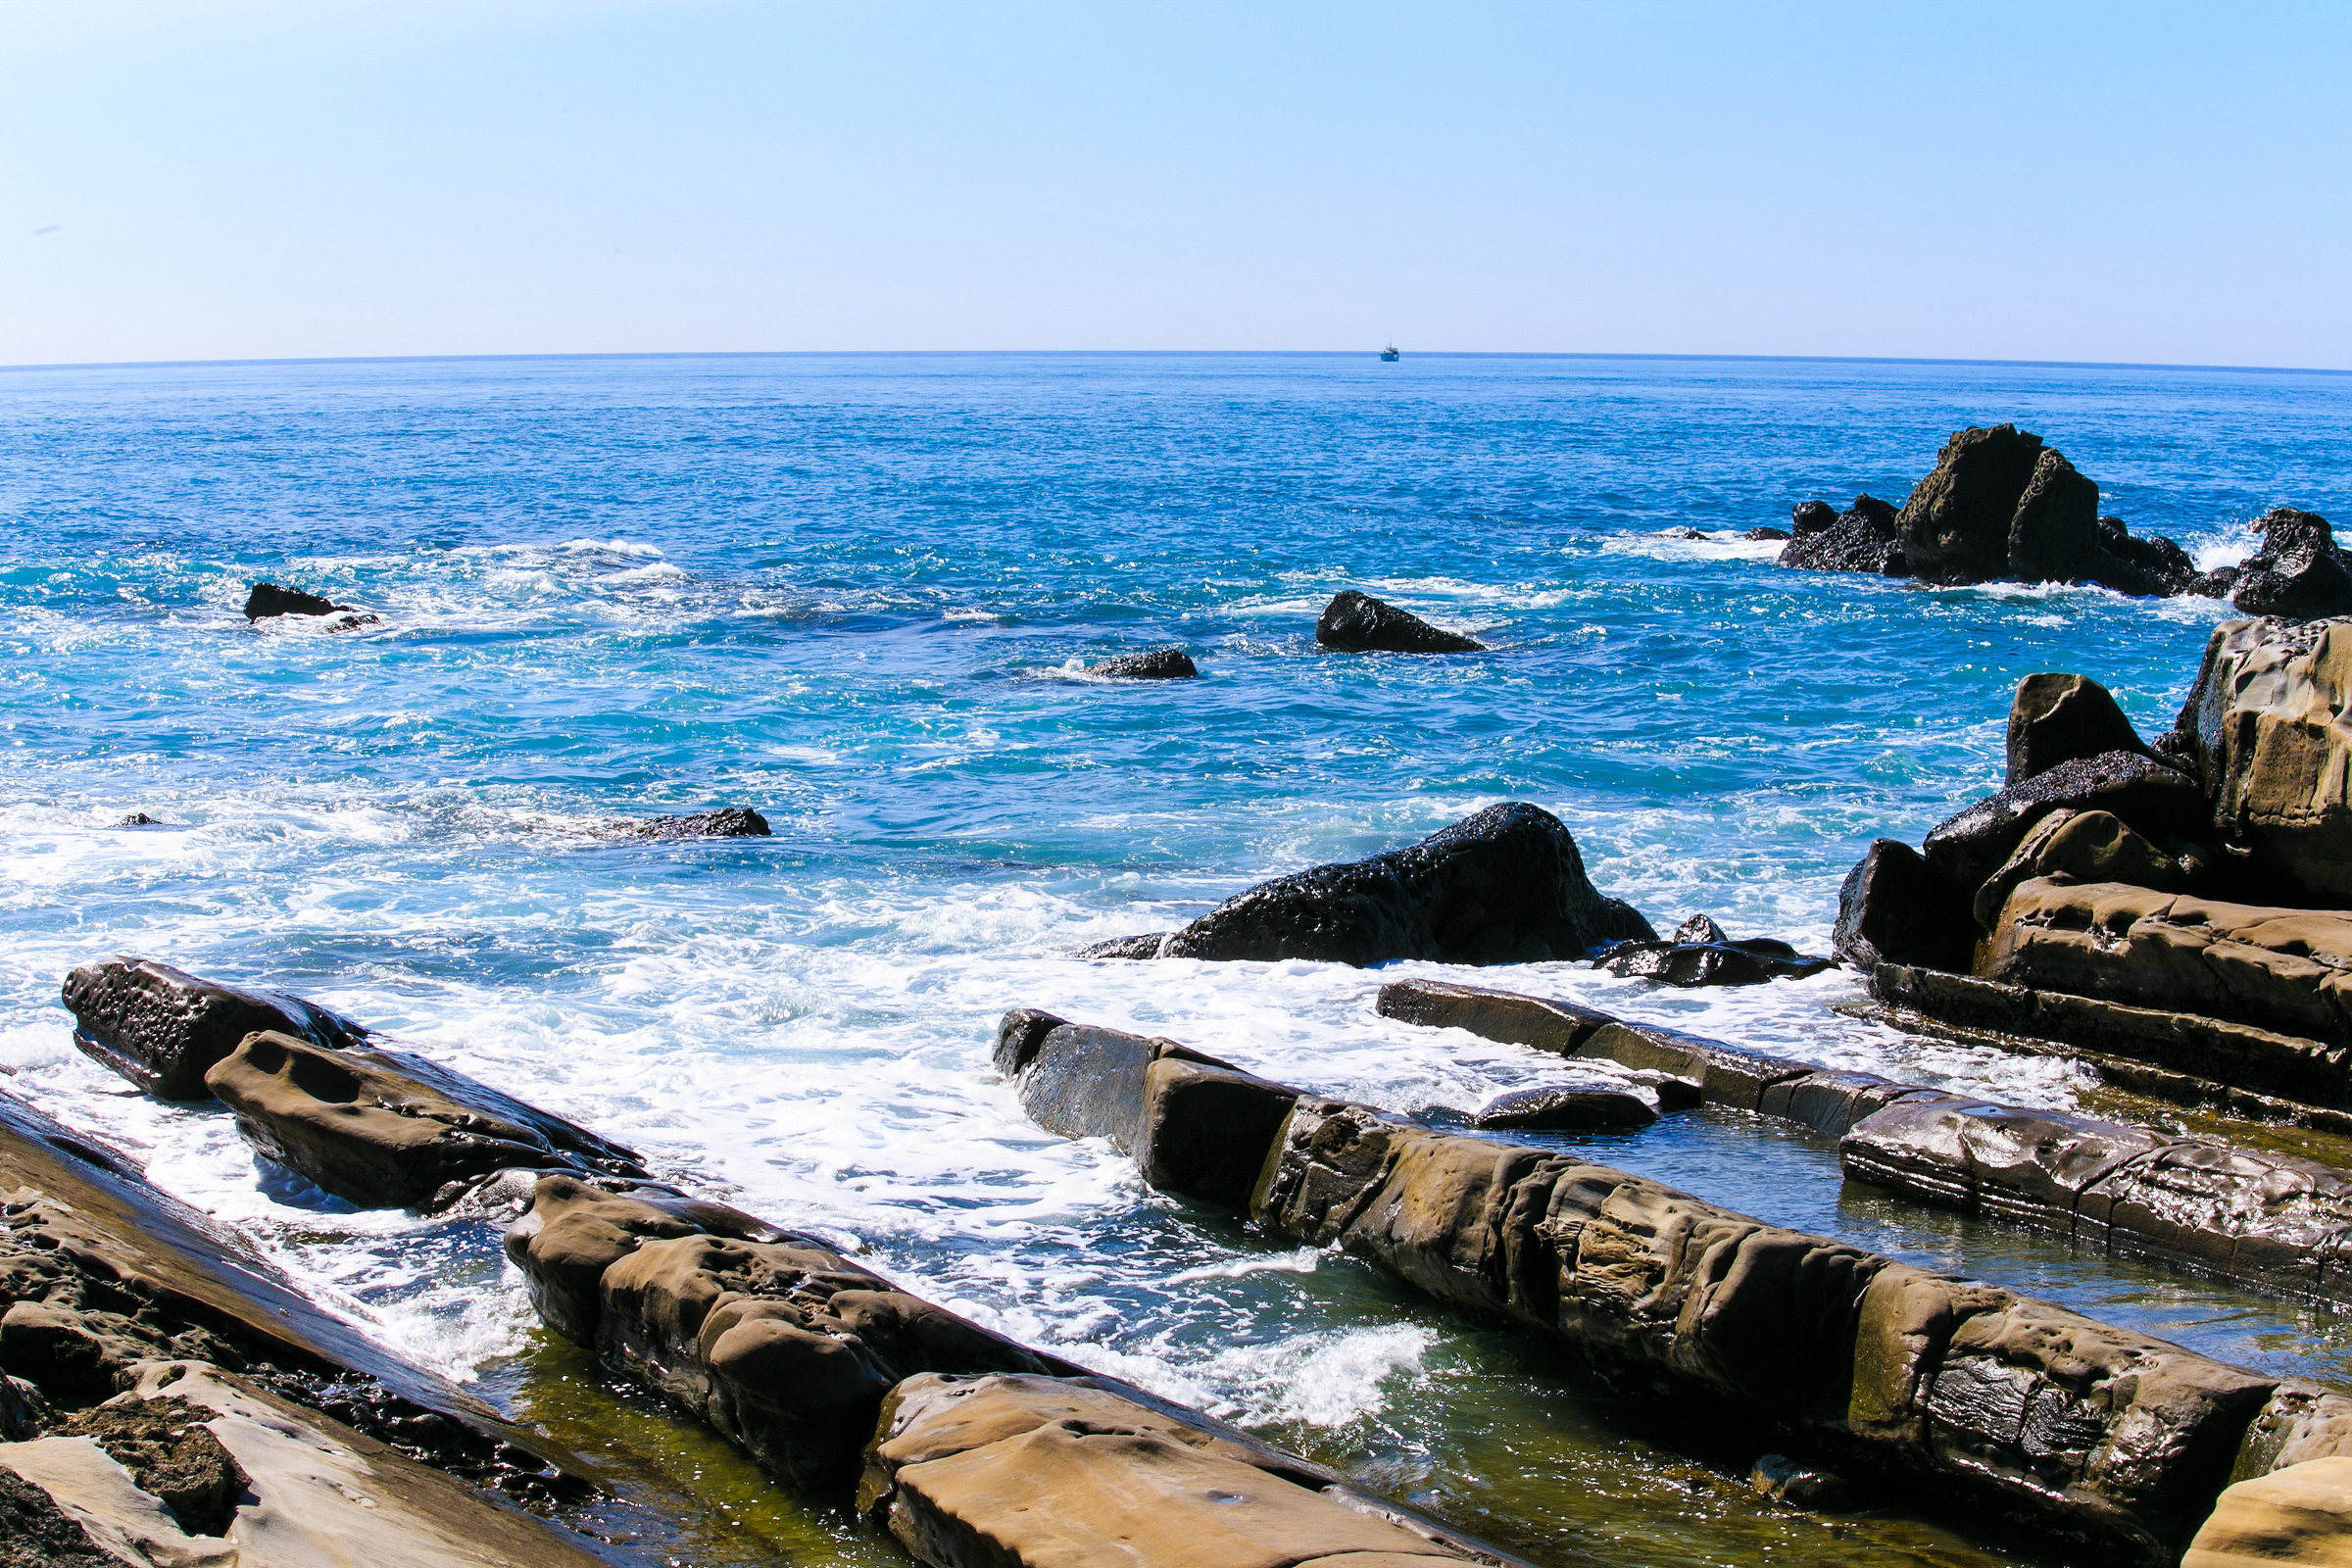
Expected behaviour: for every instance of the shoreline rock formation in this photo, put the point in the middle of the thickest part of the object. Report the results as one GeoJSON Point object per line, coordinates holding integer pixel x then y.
{"type": "Point", "coordinates": [1998, 507]}
{"type": "Point", "coordinates": [1358, 623]}
{"type": "Point", "coordinates": [1897, 1372]}
{"type": "Point", "coordinates": [1506, 885]}
{"type": "Point", "coordinates": [164, 1028]}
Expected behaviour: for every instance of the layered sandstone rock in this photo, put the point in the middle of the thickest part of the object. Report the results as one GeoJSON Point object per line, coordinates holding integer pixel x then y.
{"type": "Point", "coordinates": [386, 1129]}
{"type": "Point", "coordinates": [163, 1028]}
{"type": "Point", "coordinates": [2156, 800]}
{"type": "Point", "coordinates": [1027, 1472]}
{"type": "Point", "coordinates": [2266, 724]}
{"type": "Point", "coordinates": [1504, 885]}
{"type": "Point", "coordinates": [2302, 1514]}
{"type": "Point", "coordinates": [2283, 969]}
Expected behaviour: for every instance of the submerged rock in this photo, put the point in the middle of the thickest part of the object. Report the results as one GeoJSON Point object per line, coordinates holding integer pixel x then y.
{"type": "Point", "coordinates": [1503, 886]}
{"type": "Point", "coordinates": [1783, 1480]}
{"type": "Point", "coordinates": [1159, 664]}
{"type": "Point", "coordinates": [2298, 575]}
{"type": "Point", "coordinates": [268, 599]}
{"type": "Point", "coordinates": [731, 822]}
{"type": "Point", "coordinates": [164, 1029]}
{"type": "Point", "coordinates": [388, 1130]}
{"type": "Point", "coordinates": [1862, 538]}
{"type": "Point", "coordinates": [1358, 623]}
{"type": "Point", "coordinates": [1762, 536]}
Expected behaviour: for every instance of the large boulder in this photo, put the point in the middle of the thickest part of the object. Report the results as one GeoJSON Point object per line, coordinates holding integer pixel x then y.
{"type": "Point", "coordinates": [1026, 1472]}
{"type": "Point", "coordinates": [1955, 526]}
{"type": "Point", "coordinates": [2159, 801]}
{"type": "Point", "coordinates": [2301, 1515]}
{"type": "Point", "coordinates": [385, 1129]}
{"type": "Point", "coordinates": [1861, 538]}
{"type": "Point", "coordinates": [1504, 885]}
{"type": "Point", "coordinates": [1358, 623]}
{"type": "Point", "coordinates": [1896, 909]}
{"type": "Point", "coordinates": [2054, 532]}
{"type": "Point", "coordinates": [2266, 727]}
{"type": "Point", "coordinates": [2059, 719]}
{"type": "Point", "coordinates": [2088, 847]}
{"type": "Point", "coordinates": [163, 1028]}
{"type": "Point", "coordinates": [2277, 968]}
{"type": "Point", "coordinates": [2298, 575]}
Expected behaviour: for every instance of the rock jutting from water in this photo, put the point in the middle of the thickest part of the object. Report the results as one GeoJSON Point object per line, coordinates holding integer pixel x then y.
{"type": "Point", "coordinates": [164, 1029]}
{"type": "Point", "coordinates": [1998, 506]}
{"type": "Point", "coordinates": [269, 602]}
{"type": "Point", "coordinates": [1159, 664]}
{"type": "Point", "coordinates": [2299, 574]}
{"type": "Point", "coordinates": [1503, 886]}
{"type": "Point", "coordinates": [729, 822]}
{"type": "Point", "coordinates": [1700, 954]}
{"type": "Point", "coordinates": [1896, 1371]}
{"type": "Point", "coordinates": [1358, 623]}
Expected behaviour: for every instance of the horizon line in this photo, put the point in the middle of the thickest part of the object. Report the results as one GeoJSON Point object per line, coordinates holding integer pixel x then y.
{"type": "Point", "coordinates": [1450, 354]}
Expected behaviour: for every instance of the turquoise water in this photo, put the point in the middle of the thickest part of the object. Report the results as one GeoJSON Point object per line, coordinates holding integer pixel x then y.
{"type": "Point", "coordinates": [854, 593]}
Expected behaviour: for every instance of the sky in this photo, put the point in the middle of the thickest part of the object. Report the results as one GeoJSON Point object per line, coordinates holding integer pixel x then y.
{"type": "Point", "coordinates": [253, 178]}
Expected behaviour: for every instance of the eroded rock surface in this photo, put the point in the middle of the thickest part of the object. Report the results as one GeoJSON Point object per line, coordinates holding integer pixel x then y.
{"type": "Point", "coordinates": [731, 822]}
{"type": "Point", "coordinates": [1862, 538]}
{"type": "Point", "coordinates": [2298, 575]}
{"type": "Point", "coordinates": [2302, 1514]}
{"type": "Point", "coordinates": [2059, 719]}
{"type": "Point", "coordinates": [2158, 801]}
{"type": "Point", "coordinates": [1503, 886]}
{"type": "Point", "coordinates": [1358, 623]}
{"type": "Point", "coordinates": [163, 1028]}
{"type": "Point", "coordinates": [386, 1129]}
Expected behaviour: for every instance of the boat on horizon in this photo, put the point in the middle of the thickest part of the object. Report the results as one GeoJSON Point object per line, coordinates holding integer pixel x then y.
{"type": "Point", "coordinates": [1389, 355]}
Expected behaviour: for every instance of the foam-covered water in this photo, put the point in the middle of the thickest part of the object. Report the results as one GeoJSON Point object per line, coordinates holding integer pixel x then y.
{"type": "Point", "coordinates": [856, 594]}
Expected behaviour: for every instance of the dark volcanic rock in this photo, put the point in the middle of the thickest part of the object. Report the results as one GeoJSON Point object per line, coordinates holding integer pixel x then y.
{"type": "Point", "coordinates": [1564, 1111]}
{"type": "Point", "coordinates": [385, 1129]}
{"type": "Point", "coordinates": [1699, 955]}
{"type": "Point", "coordinates": [733, 822]}
{"type": "Point", "coordinates": [2298, 575]}
{"type": "Point", "coordinates": [2151, 568]}
{"type": "Point", "coordinates": [1955, 527]}
{"type": "Point", "coordinates": [1159, 664]}
{"type": "Point", "coordinates": [1358, 623]}
{"type": "Point", "coordinates": [36, 1532]}
{"type": "Point", "coordinates": [2064, 719]}
{"type": "Point", "coordinates": [2159, 802]}
{"type": "Point", "coordinates": [172, 1456]}
{"type": "Point", "coordinates": [2054, 532]}
{"type": "Point", "coordinates": [2218, 583]}
{"type": "Point", "coordinates": [1862, 538]}
{"type": "Point", "coordinates": [269, 598]}
{"type": "Point", "coordinates": [1896, 909]}
{"type": "Point", "coordinates": [1767, 535]}
{"type": "Point", "coordinates": [138, 819]}
{"type": "Point", "coordinates": [1812, 517]}
{"type": "Point", "coordinates": [1504, 885]}
{"type": "Point", "coordinates": [1146, 945]}
{"type": "Point", "coordinates": [163, 1029]}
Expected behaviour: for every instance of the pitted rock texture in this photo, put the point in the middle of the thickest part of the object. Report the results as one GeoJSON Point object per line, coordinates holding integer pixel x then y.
{"type": "Point", "coordinates": [1028, 1472]}
{"type": "Point", "coordinates": [783, 1344]}
{"type": "Point", "coordinates": [1159, 664]}
{"type": "Point", "coordinates": [170, 1454]}
{"type": "Point", "coordinates": [1504, 885]}
{"type": "Point", "coordinates": [163, 1028]}
{"type": "Point", "coordinates": [731, 822]}
{"type": "Point", "coordinates": [1358, 623]}
{"type": "Point", "coordinates": [1896, 909]}
{"type": "Point", "coordinates": [2265, 724]}
{"type": "Point", "coordinates": [1862, 538]}
{"type": "Point", "coordinates": [2155, 799]}
{"type": "Point", "coordinates": [2283, 969]}
{"type": "Point", "coordinates": [36, 1532]}
{"type": "Point", "coordinates": [2298, 575]}
{"type": "Point", "coordinates": [2089, 847]}
{"type": "Point", "coordinates": [386, 1129]}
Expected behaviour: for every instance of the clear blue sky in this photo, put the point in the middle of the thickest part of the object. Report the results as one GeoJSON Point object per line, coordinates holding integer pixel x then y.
{"type": "Point", "coordinates": [2125, 181]}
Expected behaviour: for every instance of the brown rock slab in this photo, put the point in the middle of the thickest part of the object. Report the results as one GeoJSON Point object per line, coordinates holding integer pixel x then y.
{"type": "Point", "coordinates": [389, 1130]}
{"type": "Point", "coordinates": [1207, 1127]}
{"type": "Point", "coordinates": [2268, 727]}
{"type": "Point", "coordinates": [1539, 1022]}
{"type": "Point", "coordinates": [1571, 1109]}
{"type": "Point", "coordinates": [2302, 1514]}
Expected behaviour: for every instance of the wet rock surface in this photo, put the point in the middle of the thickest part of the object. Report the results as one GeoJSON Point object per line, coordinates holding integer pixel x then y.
{"type": "Point", "coordinates": [1862, 538]}
{"type": "Point", "coordinates": [1896, 909]}
{"type": "Point", "coordinates": [268, 599]}
{"type": "Point", "coordinates": [1504, 885]}
{"type": "Point", "coordinates": [170, 1454]}
{"type": "Point", "coordinates": [2299, 574]}
{"type": "Point", "coordinates": [731, 822]}
{"type": "Point", "coordinates": [1539, 1022]}
{"type": "Point", "coordinates": [1564, 1109]}
{"type": "Point", "coordinates": [387, 1129]}
{"type": "Point", "coordinates": [1158, 664]}
{"type": "Point", "coordinates": [1700, 954]}
{"type": "Point", "coordinates": [1358, 623]}
{"type": "Point", "coordinates": [164, 1029]}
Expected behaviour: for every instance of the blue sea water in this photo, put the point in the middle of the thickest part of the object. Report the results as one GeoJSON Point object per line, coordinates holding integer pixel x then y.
{"type": "Point", "coordinates": [856, 593]}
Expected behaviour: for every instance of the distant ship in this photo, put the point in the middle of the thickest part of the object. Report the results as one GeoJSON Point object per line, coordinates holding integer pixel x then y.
{"type": "Point", "coordinates": [1390, 354]}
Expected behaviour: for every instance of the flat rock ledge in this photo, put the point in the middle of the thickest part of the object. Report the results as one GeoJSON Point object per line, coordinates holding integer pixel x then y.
{"type": "Point", "coordinates": [164, 1029]}
{"type": "Point", "coordinates": [1506, 885]}
{"type": "Point", "coordinates": [1896, 1372]}
{"type": "Point", "coordinates": [168, 1398]}
{"type": "Point", "coordinates": [973, 1450]}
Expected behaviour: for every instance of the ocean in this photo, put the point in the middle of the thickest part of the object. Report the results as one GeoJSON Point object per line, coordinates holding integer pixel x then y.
{"type": "Point", "coordinates": [857, 592]}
